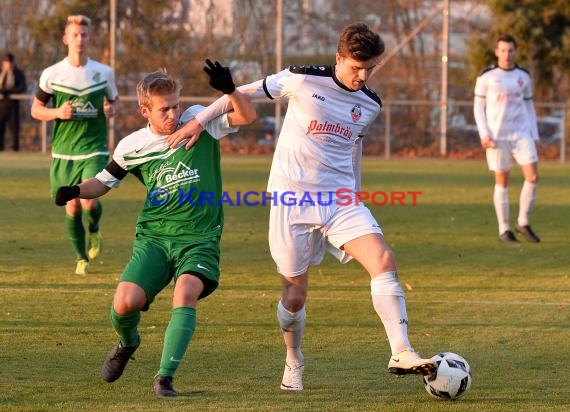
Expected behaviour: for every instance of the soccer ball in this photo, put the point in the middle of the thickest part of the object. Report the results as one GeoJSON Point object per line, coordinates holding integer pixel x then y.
{"type": "Point", "coordinates": [452, 378]}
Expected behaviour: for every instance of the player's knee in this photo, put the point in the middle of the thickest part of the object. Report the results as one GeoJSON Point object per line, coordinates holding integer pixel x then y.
{"type": "Point", "coordinates": [388, 259]}
{"type": "Point", "coordinates": [124, 307]}
{"type": "Point", "coordinates": [187, 291]}
{"type": "Point", "coordinates": [128, 301]}
{"type": "Point", "coordinates": [129, 305]}
{"type": "Point", "coordinates": [294, 299]}
{"type": "Point", "coordinates": [296, 305]}
{"type": "Point", "coordinates": [73, 208]}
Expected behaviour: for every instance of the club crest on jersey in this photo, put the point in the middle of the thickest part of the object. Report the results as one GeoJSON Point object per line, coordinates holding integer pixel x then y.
{"type": "Point", "coordinates": [356, 113]}
{"type": "Point", "coordinates": [520, 82]}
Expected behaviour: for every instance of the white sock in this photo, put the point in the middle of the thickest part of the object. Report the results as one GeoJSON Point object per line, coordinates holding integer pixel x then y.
{"type": "Point", "coordinates": [390, 305]}
{"type": "Point", "coordinates": [526, 203]}
{"type": "Point", "coordinates": [501, 201]}
{"type": "Point", "coordinates": [293, 327]}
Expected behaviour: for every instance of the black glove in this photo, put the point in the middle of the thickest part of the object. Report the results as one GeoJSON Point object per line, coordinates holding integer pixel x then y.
{"type": "Point", "coordinates": [65, 194]}
{"type": "Point", "coordinates": [220, 77]}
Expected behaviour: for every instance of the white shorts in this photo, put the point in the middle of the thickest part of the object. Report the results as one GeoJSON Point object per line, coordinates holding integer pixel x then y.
{"type": "Point", "coordinates": [500, 158]}
{"type": "Point", "coordinates": [299, 236]}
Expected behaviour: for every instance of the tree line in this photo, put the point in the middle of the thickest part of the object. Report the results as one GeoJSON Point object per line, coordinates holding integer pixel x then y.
{"type": "Point", "coordinates": [180, 34]}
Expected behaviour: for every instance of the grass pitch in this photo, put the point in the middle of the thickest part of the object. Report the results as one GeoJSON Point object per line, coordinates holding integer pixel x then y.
{"type": "Point", "coordinates": [505, 308]}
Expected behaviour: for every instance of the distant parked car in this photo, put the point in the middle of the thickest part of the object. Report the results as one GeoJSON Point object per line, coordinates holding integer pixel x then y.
{"type": "Point", "coordinates": [266, 131]}
{"type": "Point", "coordinates": [550, 129]}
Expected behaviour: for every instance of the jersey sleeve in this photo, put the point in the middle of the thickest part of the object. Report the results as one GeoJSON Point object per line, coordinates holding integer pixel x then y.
{"type": "Point", "coordinates": [117, 169]}
{"type": "Point", "coordinates": [282, 84]}
{"type": "Point", "coordinates": [272, 87]}
{"type": "Point", "coordinates": [105, 177]}
{"type": "Point", "coordinates": [479, 104]}
{"type": "Point", "coordinates": [531, 112]}
{"type": "Point", "coordinates": [218, 127]}
{"type": "Point", "coordinates": [480, 87]}
{"type": "Point", "coordinates": [112, 175]}
{"type": "Point", "coordinates": [111, 91]}
{"type": "Point", "coordinates": [44, 92]}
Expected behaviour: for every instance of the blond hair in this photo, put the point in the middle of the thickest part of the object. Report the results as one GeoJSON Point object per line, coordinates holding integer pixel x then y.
{"type": "Point", "coordinates": [79, 20]}
{"type": "Point", "coordinates": [157, 83]}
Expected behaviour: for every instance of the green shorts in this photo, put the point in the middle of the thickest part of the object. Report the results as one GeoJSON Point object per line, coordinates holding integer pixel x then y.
{"type": "Point", "coordinates": [156, 261]}
{"type": "Point", "coordinates": [72, 172]}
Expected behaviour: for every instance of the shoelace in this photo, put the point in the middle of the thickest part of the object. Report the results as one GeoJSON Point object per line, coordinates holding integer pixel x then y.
{"type": "Point", "coordinates": [295, 374]}
{"type": "Point", "coordinates": [123, 353]}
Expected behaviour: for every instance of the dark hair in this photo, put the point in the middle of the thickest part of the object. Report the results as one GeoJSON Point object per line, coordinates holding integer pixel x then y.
{"type": "Point", "coordinates": [359, 42]}
{"type": "Point", "coordinates": [507, 38]}
{"type": "Point", "coordinates": [9, 57]}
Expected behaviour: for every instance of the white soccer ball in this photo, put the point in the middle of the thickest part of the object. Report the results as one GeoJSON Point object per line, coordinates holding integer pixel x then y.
{"type": "Point", "coordinates": [452, 378]}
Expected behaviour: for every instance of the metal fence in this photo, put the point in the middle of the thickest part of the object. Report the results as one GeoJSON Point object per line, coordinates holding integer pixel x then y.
{"type": "Point", "coordinates": [391, 130]}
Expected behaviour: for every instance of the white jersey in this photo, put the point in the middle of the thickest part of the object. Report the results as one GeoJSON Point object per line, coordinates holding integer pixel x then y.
{"type": "Point", "coordinates": [322, 126]}
{"type": "Point", "coordinates": [323, 122]}
{"type": "Point", "coordinates": [503, 106]}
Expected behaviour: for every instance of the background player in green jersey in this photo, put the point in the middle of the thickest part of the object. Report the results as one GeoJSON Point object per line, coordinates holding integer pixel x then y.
{"type": "Point", "coordinates": [177, 234]}
{"type": "Point", "coordinates": [84, 94]}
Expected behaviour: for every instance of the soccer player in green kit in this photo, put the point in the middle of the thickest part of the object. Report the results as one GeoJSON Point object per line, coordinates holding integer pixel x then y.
{"type": "Point", "coordinates": [178, 231]}
{"type": "Point", "coordinates": [84, 94]}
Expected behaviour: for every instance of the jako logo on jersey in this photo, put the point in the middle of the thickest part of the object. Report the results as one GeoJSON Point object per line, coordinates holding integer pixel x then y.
{"type": "Point", "coordinates": [356, 112]}
{"type": "Point", "coordinates": [170, 176]}
{"type": "Point", "coordinates": [336, 129]}
{"type": "Point", "coordinates": [316, 96]}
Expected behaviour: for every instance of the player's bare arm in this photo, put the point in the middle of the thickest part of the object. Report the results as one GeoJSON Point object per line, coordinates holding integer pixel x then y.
{"type": "Point", "coordinates": [89, 189]}
{"type": "Point", "coordinates": [40, 111]}
{"type": "Point", "coordinates": [188, 133]}
{"type": "Point", "coordinates": [243, 112]}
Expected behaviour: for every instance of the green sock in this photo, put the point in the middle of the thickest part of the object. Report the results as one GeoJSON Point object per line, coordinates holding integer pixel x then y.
{"type": "Point", "coordinates": [176, 339]}
{"type": "Point", "coordinates": [76, 233]}
{"type": "Point", "coordinates": [93, 217]}
{"type": "Point", "coordinates": [126, 327]}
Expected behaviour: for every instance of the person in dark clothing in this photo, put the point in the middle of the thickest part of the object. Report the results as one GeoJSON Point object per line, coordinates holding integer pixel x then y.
{"type": "Point", "coordinates": [12, 81]}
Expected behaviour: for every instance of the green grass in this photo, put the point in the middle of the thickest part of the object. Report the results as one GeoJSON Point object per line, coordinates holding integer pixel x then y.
{"type": "Point", "coordinates": [505, 308]}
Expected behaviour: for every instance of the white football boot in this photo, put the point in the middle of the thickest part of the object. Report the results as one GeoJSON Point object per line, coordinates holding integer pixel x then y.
{"type": "Point", "coordinates": [409, 362]}
{"type": "Point", "coordinates": [293, 377]}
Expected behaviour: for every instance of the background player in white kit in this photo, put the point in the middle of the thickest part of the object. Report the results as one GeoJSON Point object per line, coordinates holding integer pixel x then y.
{"type": "Point", "coordinates": [319, 151]}
{"type": "Point", "coordinates": [506, 120]}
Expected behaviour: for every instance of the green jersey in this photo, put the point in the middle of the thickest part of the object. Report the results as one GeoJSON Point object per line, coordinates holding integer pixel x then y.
{"type": "Point", "coordinates": [85, 135]}
{"type": "Point", "coordinates": [184, 187]}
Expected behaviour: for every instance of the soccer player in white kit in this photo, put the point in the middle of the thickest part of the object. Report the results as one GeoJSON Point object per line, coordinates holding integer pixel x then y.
{"type": "Point", "coordinates": [506, 121]}
{"type": "Point", "coordinates": [317, 154]}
